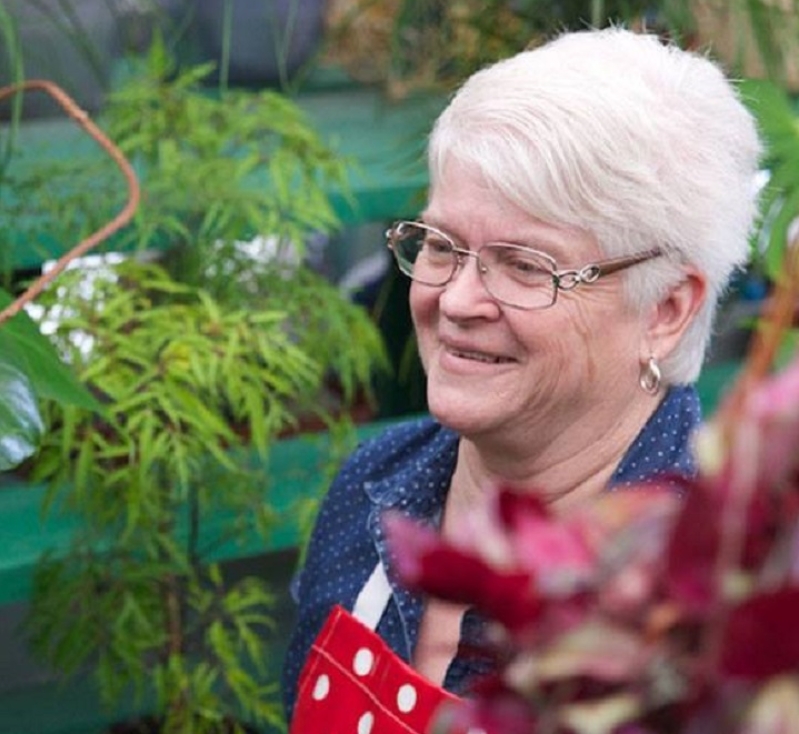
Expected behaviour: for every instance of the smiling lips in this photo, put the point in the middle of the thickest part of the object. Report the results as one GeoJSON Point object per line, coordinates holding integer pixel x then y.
{"type": "Point", "coordinates": [479, 356]}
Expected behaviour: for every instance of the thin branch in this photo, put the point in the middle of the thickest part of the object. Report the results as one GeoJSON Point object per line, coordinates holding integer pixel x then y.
{"type": "Point", "coordinates": [120, 220]}
{"type": "Point", "coordinates": [778, 317]}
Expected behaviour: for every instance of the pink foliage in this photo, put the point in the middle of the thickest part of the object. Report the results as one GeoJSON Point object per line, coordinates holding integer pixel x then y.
{"type": "Point", "coordinates": [647, 611]}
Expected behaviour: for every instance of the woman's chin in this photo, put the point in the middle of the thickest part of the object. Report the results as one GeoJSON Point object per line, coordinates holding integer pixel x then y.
{"type": "Point", "coordinates": [461, 414]}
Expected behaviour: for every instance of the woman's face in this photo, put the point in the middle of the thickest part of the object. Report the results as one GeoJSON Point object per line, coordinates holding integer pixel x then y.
{"type": "Point", "coordinates": [492, 368]}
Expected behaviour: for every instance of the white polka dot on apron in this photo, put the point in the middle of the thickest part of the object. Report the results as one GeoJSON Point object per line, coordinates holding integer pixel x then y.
{"type": "Point", "coordinates": [406, 698]}
{"type": "Point", "coordinates": [321, 688]}
{"type": "Point", "coordinates": [363, 661]}
{"type": "Point", "coordinates": [366, 722]}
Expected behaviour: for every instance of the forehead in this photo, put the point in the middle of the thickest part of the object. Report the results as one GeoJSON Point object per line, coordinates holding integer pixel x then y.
{"type": "Point", "coordinates": [464, 206]}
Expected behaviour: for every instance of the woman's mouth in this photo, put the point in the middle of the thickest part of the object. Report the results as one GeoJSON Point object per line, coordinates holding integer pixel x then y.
{"type": "Point", "coordinates": [479, 356]}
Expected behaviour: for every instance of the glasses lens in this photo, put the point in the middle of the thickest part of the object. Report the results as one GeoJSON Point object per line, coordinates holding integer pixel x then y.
{"type": "Point", "coordinates": [423, 254]}
{"type": "Point", "coordinates": [518, 276]}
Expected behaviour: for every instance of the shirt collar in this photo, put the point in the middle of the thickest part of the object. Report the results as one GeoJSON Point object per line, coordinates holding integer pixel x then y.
{"type": "Point", "coordinates": [420, 485]}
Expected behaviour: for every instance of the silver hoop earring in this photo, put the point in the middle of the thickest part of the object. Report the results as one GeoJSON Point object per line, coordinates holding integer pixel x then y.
{"type": "Point", "coordinates": [650, 377]}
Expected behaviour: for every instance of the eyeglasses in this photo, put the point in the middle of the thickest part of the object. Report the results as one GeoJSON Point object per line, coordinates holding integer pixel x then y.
{"type": "Point", "coordinates": [514, 275]}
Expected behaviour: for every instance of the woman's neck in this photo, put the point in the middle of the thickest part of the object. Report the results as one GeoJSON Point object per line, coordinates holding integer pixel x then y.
{"type": "Point", "coordinates": [565, 469]}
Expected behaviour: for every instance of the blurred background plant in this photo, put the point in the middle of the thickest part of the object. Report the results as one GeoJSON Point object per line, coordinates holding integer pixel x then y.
{"type": "Point", "coordinates": [220, 205]}
{"type": "Point", "coordinates": [410, 46]}
{"type": "Point", "coordinates": [756, 41]}
{"type": "Point", "coordinates": [212, 336]}
{"type": "Point", "coordinates": [754, 38]}
{"type": "Point", "coordinates": [30, 366]}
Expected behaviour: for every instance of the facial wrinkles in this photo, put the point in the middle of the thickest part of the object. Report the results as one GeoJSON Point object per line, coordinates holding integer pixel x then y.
{"type": "Point", "coordinates": [529, 395]}
{"type": "Point", "coordinates": [475, 223]}
{"type": "Point", "coordinates": [536, 442]}
{"type": "Point", "coordinates": [552, 446]}
{"type": "Point", "coordinates": [587, 335]}
{"type": "Point", "coordinates": [596, 307]}
{"type": "Point", "coordinates": [550, 359]}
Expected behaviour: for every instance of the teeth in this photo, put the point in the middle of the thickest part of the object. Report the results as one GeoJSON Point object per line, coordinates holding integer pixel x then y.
{"type": "Point", "coordinates": [480, 357]}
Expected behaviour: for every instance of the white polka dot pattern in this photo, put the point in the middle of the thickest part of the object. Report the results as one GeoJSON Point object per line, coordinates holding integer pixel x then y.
{"type": "Point", "coordinates": [406, 698]}
{"type": "Point", "coordinates": [366, 722]}
{"type": "Point", "coordinates": [391, 699]}
{"type": "Point", "coordinates": [363, 661]}
{"type": "Point", "coordinates": [322, 688]}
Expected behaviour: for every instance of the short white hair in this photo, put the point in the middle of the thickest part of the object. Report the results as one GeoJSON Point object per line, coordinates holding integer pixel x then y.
{"type": "Point", "coordinates": [638, 142]}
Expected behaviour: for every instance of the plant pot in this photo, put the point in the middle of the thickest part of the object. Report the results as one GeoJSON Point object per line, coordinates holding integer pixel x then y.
{"type": "Point", "coordinates": [73, 44]}
{"type": "Point", "coordinates": [269, 40]}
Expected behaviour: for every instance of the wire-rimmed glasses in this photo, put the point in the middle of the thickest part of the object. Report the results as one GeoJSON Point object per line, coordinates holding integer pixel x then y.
{"type": "Point", "coordinates": [514, 275]}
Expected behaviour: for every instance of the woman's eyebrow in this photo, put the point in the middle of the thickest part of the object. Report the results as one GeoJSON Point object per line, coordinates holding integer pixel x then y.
{"type": "Point", "coordinates": [548, 245]}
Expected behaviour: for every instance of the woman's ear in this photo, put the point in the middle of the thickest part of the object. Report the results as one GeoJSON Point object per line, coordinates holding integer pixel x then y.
{"type": "Point", "coordinates": [670, 317]}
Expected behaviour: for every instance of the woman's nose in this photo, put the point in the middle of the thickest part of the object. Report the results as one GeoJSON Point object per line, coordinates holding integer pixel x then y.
{"type": "Point", "coordinates": [465, 296]}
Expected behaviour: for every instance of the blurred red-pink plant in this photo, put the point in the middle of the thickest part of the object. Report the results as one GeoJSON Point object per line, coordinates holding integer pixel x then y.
{"type": "Point", "coordinates": [652, 610]}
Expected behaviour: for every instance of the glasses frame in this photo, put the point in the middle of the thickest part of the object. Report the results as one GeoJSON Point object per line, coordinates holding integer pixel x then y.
{"type": "Point", "coordinates": [562, 280]}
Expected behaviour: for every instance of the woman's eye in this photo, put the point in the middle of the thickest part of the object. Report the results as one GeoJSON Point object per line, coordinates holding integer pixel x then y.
{"type": "Point", "coordinates": [522, 267]}
{"type": "Point", "coordinates": [438, 247]}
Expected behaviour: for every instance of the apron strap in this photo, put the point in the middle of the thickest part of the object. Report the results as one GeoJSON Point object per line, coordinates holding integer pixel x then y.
{"type": "Point", "coordinates": [373, 598]}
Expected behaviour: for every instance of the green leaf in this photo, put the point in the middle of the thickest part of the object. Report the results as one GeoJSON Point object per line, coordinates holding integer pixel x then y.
{"type": "Point", "coordinates": [21, 425]}
{"type": "Point", "coordinates": [23, 346]}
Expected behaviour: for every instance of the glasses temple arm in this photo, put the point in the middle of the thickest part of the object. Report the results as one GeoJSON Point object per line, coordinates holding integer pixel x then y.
{"type": "Point", "coordinates": [606, 267]}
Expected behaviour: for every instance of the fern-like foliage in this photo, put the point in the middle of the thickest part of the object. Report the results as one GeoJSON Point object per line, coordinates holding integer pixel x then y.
{"type": "Point", "coordinates": [183, 382]}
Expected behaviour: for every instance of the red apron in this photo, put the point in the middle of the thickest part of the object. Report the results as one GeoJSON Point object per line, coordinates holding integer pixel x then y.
{"type": "Point", "coordinates": [353, 682]}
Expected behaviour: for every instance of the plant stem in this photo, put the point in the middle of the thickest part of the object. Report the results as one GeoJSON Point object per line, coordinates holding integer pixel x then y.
{"type": "Point", "coordinates": [174, 616]}
{"type": "Point", "coordinates": [597, 12]}
{"type": "Point", "coordinates": [119, 221]}
{"type": "Point", "coordinates": [227, 30]}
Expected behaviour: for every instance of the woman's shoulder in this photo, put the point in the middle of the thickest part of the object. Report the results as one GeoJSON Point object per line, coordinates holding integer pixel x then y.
{"type": "Point", "coordinates": [395, 464]}
{"type": "Point", "coordinates": [665, 444]}
{"type": "Point", "coordinates": [411, 442]}
{"type": "Point", "coordinates": [405, 435]}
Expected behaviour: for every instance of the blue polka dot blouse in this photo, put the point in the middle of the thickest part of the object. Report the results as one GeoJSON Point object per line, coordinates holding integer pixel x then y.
{"type": "Point", "coordinates": [409, 467]}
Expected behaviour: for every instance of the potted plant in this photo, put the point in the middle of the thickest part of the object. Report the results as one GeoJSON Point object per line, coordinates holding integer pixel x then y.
{"type": "Point", "coordinates": [235, 198]}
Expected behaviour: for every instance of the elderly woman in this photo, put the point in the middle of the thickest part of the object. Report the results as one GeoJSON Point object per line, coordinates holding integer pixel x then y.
{"type": "Point", "coordinates": [589, 202]}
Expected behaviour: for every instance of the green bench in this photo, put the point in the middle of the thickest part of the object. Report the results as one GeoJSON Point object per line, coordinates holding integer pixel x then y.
{"type": "Point", "coordinates": [295, 471]}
